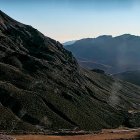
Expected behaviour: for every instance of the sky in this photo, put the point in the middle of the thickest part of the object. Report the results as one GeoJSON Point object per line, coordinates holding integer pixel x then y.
{"type": "Point", "coordinates": [65, 20]}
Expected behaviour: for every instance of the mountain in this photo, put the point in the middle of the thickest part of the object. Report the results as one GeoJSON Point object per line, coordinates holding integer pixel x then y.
{"type": "Point", "coordinates": [43, 88]}
{"type": "Point", "coordinates": [69, 42]}
{"type": "Point", "coordinates": [112, 54]}
{"type": "Point", "coordinates": [129, 76]}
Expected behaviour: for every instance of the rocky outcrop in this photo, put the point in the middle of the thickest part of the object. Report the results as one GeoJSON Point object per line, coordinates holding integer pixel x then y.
{"type": "Point", "coordinates": [134, 119]}
{"type": "Point", "coordinates": [4, 137]}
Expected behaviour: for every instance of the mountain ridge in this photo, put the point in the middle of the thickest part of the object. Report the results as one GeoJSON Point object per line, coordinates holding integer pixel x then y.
{"type": "Point", "coordinates": [120, 53]}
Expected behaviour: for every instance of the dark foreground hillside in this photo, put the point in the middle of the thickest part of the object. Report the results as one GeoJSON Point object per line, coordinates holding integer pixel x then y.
{"type": "Point", "coordinates": [42, 86]}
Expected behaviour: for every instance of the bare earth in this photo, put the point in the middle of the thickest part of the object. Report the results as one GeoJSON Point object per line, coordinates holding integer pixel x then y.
{"type": "Point", "coordinates": [105, 135]}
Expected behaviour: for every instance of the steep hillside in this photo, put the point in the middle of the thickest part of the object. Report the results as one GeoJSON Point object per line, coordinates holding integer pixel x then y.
{"type": "Point", "coordinates": [129, 76]}
{"type": "Point", "coordinates": [42, 86]}
{"type": "Point", "coordinates": [112, 54]}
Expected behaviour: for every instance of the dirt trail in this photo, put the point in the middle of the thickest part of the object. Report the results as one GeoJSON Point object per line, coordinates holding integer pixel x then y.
{"type": "Point", "coordinates": [105, 135]}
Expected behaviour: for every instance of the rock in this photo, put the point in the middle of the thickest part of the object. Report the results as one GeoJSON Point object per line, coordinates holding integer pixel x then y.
{"type": "Point", "coordinates": [4, 137]}
{"type": "Point", "coordinates": [134, 119]}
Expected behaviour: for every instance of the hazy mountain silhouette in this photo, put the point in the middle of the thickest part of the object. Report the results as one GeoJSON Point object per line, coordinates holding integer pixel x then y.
{"type": "Point", "coordinates": [112, 54]}
{"type": "Point", "coordinates": [69, 42]}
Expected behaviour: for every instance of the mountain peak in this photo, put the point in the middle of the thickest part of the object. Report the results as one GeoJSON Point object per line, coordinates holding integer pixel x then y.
{"type": "Point", "coordinates": [125, 36]}
{"type": "Point", "coordinates": [7, 22]}
{"type": "Point", "coordinates": [4, 17]}
{"type": "Point", "coordinates": [105, 36]}
{"type": "Point", "coordinates": [1, 13]}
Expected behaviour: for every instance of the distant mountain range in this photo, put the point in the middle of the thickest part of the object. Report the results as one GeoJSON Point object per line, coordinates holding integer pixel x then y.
{"type": "Point", "coordinates": [112, 54]}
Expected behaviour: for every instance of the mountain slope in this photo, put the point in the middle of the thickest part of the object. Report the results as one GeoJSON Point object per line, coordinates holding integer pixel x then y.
{"type": "Point", "coordinates": [112, 54]}
{"type": "Point", "coordinates": [129, 76]}
{"type": "Point", "coordinates": [42, 86]}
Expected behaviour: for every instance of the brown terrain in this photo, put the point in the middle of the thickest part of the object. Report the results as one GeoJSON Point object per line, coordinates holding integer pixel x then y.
{"type": "Point", "coordinates": [4, 137]}
{"type": "Point", "coordinates": [119, 134]}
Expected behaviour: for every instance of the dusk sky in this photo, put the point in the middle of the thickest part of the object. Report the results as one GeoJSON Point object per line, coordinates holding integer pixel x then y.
{"type": "Point", "coordinates": [65, 20]}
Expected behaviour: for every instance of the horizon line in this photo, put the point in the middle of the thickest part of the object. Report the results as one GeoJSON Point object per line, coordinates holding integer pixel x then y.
{"type": "Point", "coordinates": [113, 36]}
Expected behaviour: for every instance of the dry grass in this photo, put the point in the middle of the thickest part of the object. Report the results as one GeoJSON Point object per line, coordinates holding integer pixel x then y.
{"type": "Point", "coordinates": [108, 135]}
